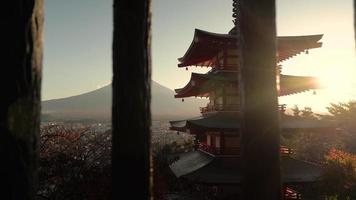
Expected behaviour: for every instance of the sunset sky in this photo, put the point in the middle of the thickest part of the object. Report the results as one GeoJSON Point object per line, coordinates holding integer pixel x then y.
{"type": "Point", "coordinates": [78, 36]}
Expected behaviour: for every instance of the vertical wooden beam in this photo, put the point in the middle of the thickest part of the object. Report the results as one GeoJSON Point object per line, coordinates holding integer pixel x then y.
{"type": "Point", "coordinates": [131, 118]}
{"type": "Point", "coordinates": [260, 127]}
{"type": "Point", "coordinates": [20, 85]}
{"type": "Point", "coordinates": [355, 20]}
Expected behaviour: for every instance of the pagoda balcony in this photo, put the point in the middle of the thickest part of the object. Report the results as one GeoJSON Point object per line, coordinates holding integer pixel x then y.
{"type": "Point", "coordinates": [218, 150]}
{"type": "Point", "coordinates": [231, 108]}
{"type": "Point", "coordinates": [229, 151]}
{"type": "Point", "coordinates": [221, 151]}
{"type": "Point", "coordinates": [220, 107]}
{"type": "Point", "coordinates": [286, 151]}
{"type": "Point", "coordinates": [290, 194]}
{"type": "Point", "coordinates": [282, 107]}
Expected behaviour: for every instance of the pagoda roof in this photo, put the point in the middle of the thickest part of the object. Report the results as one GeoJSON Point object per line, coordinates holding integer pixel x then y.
{"type": "Point", "coordinates": [292, 122]}
{"type": "Point", "coordinates": [215, 122]}
{"type": "Point", "coordinates": [295, 84]}
{"type": "Point", "coordinates": [200, 167]}
{"type": "Point", "coordinates": [222, 121]}
{"type": "Point", "coordinates": [219, 121]}
{"type": "Point", "coordinates": [201, 84]}
{"type": "Point", "coordinates": [289, 46]}
{"type": "Point", "coordinates": [206, 45]}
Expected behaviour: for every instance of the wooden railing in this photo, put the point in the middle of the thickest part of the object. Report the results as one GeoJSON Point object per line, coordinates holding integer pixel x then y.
{"type": "Point", "coordinates": [220, 107]}
{"type": "Point", "coordinates": [282, 107]}
{"type": "Point", "coordinates": [290, 194]}
{"type": "Point", "coordinates": [231, 107]}
{"type": "Point", "coordinates": [285, 151]}
{"type": "Point", "coordinates": [219, 151]}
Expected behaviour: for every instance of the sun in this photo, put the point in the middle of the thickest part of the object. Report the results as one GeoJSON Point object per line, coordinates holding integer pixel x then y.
{"type": "Point", "coordinates": [338, 80]}
{"type": "Point", "coordinates": [330, 80]}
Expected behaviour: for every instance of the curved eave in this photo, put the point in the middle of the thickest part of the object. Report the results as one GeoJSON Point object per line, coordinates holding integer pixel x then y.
{"type": "Point", "coordinates": [189, 92]}
{"type": "Point", "coordinates": [289, 85]}
{"type": "Point", "coordinates": [200, 85]}
{"type": "Point", "coordinates": [206, 45]}
{"type": "Point", "coordinates": [289, 123]}
{"type": "Point", "coordinates": [202, 168]}
{"type": "Point", "coordinates": [289, 46]}
{"type": "Point", "coordinates": [296, 84]}
{"type": "Point", "coordinates": [217, 122]}
{"type": "Point", "coordinates": [231, 121]}
{"type": "Point", "coordinates": [192, 88]}
{"type": "Point", "coordinates": [179, 125]}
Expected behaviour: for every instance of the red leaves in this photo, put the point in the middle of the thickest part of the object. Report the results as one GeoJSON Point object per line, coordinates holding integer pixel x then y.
{"type": "Point", "coordinates": [74, 160]}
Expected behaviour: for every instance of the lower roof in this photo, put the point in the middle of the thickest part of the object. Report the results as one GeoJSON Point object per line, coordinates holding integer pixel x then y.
{"type": "Point", "coordinates": [231, 121]}
{"type": "Point", "coordinates": [200, 167]}
{"type": "Point", "coordinates": [203, 84]}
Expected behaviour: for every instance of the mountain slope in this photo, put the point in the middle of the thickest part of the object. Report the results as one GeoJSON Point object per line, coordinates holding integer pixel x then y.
{"type": "Point", "coordinates": [97, 105]}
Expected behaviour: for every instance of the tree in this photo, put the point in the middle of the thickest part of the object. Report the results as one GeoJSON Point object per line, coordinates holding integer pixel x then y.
{"type": "Point", "coordinates": [296, 111]}
{"type": "Point", "coordinates": [313, 146]}
{"type": "Point", "coordinates": [345, 114]}
{"type": "Point", "coordinates": [339, 175]}
{"type": "Point", "coordinates": [131, 114]}
{"type": "Point", "coordinates": [73, 161]}
{"type": "Point", "coordinates": [20, 85]}
{"type": "Point", "coordinates": [306, 113]}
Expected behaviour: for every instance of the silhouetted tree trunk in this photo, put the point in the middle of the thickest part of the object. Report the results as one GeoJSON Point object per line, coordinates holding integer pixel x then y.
{"type": "Point", "coordinates": [20, 84]}
{"type": "Point", "coordinates": [260, 127]}
{"type": "Point", "coordinates": [131, 118]}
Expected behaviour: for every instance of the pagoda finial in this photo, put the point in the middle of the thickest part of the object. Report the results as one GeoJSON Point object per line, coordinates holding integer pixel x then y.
{"type": "Point", "coordinates": [236, 4]}
{"type": "Point", "coordinates": [236, 12]}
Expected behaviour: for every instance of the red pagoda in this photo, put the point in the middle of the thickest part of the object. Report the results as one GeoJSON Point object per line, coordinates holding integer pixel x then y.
{"type": "Point", "coordinates": [215, 163]}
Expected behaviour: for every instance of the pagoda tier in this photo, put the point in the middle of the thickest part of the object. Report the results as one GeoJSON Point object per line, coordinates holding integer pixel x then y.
{"type": "Point", "coordinates": [201, 167]}
{"type": "Point", "coordinates": [229, 122]}
{"type": "Point", "coordinates": [202, 84]}
{"type": "Point", "coordinates": [296, 84]}
{"type": "Point", "coordinates": [208, 49]}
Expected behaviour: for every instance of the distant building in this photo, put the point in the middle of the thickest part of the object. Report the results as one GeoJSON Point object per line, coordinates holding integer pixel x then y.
{"type": "Point", "coordinates": [215, 165]}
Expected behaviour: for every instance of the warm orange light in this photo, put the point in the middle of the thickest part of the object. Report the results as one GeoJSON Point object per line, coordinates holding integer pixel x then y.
{"type": "Point", "coordinates": [336, 79]}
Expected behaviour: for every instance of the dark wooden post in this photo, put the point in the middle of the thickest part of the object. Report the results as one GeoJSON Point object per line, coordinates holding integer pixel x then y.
{"type": "Point", "coordinates": [260, 127]}
{"type": "Point", "coordinates": [131, 119]}
{"type": "Point", "coordinates": [355, 20]}
{"type": "Point", "coordinates": [20, 86]}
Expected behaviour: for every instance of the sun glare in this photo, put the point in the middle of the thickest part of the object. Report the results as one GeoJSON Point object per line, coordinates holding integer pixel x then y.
{"type": "Point", "coordinates": [335, 73]}
{"type": "Point", "coordinates": [336, 79]}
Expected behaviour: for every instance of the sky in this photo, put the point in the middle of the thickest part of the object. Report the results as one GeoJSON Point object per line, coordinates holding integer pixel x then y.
{"type": "Point", "coordinates": [78, 36]}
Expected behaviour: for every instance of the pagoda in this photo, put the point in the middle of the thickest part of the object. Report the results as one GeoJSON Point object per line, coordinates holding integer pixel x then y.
{"type": "Point", "coordinates": [215, 164]}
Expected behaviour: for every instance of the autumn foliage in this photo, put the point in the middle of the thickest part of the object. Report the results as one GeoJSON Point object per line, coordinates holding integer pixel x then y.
{"type": "Point", "coordinates": [75, 163]}
{"type": "Point", "coordinates": [339, 176]}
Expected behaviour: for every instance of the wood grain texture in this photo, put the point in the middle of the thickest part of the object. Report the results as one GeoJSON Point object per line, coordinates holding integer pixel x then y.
{"type": "Point", "coordinates": [131, 118]}
{"type": "Point", "coordinates": [260, 127]}
{"type": "Point", "coordinates": [20, 84]}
